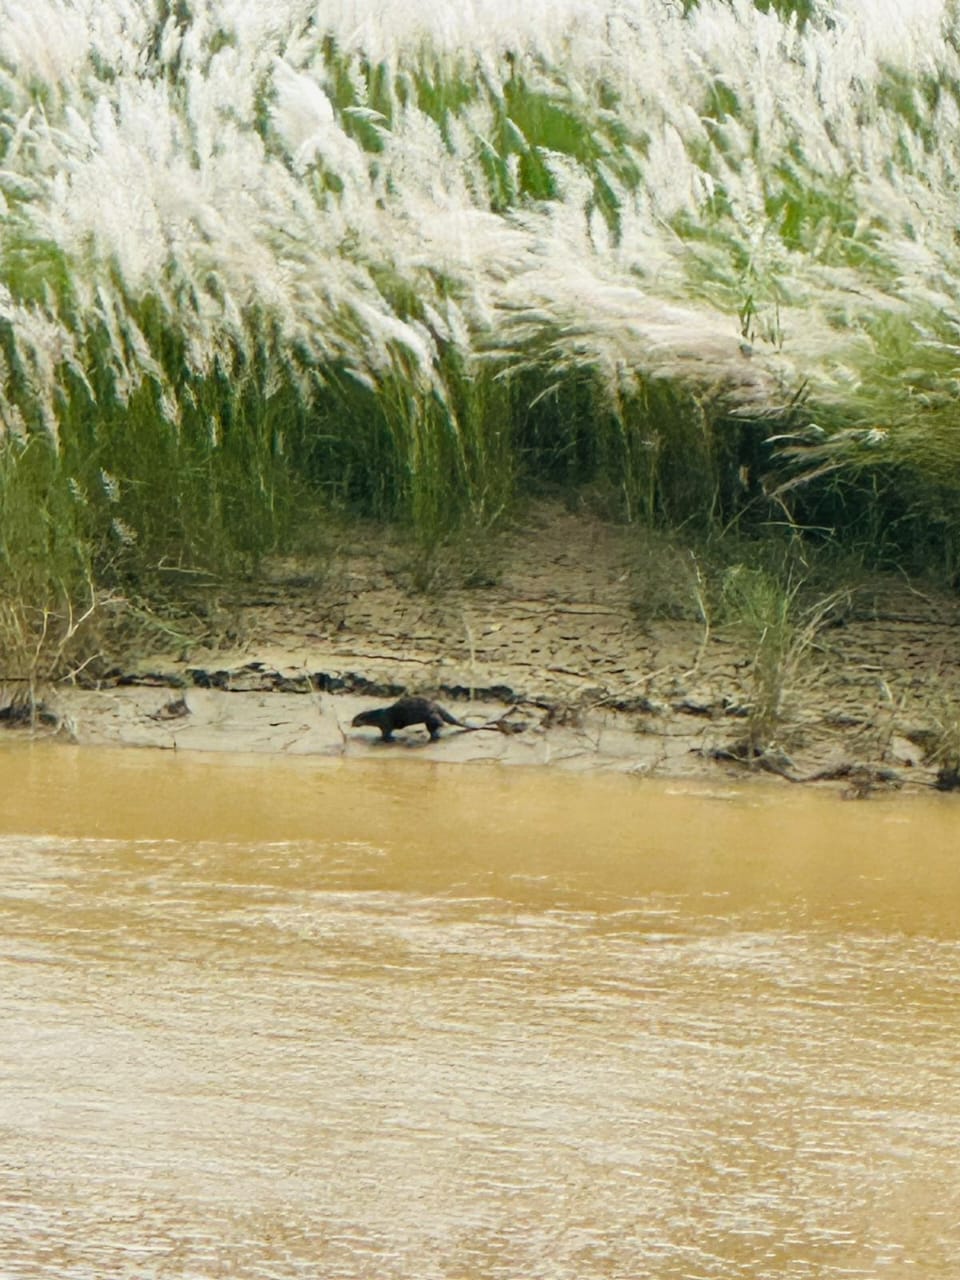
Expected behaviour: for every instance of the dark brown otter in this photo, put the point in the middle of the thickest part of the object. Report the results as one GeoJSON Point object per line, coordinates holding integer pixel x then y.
{"type": "Point", "coordinates": [405, 712]}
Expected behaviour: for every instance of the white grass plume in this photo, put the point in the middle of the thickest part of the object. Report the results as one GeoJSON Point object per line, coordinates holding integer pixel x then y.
{"type": "Point", "coordinates": [711, 180]}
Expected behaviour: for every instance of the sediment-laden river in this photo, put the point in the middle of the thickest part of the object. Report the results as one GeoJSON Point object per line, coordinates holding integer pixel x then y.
{"type": "Point", "coordinates": [272, 1018]}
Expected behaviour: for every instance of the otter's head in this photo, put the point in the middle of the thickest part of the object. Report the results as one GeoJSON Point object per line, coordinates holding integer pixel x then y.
{"type": "Point", "coordinates": [364, 717]}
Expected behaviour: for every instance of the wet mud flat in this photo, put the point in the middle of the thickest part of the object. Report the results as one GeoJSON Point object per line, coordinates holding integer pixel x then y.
{"type": "Point", "coordinates": [560, 641]}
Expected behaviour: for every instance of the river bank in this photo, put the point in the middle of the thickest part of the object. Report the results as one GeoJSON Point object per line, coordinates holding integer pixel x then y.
{"type": "Point", "coordinates": [568, 639]}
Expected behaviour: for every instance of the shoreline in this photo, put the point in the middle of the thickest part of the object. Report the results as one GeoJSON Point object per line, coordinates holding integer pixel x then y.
{"type": "Point", "coordinates": [253, 710]}
{"type": "Point", "coordinates": [559, 637]}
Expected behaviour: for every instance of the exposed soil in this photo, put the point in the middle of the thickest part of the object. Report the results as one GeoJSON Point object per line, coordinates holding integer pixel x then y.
{"type": "Point", "coordinates": [569, 638]}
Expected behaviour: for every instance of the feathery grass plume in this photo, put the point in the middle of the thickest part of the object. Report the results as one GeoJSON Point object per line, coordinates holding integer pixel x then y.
{"type": "Point", "coordinates": [400, 256]}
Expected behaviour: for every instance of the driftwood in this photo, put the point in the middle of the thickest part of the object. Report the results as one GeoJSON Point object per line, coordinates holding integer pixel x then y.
{"type": "Point", "coordinates": [862, 779]}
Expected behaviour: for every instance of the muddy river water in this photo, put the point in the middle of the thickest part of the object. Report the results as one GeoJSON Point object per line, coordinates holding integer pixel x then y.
{"type": "Point", "coordinates": [275, 1018]}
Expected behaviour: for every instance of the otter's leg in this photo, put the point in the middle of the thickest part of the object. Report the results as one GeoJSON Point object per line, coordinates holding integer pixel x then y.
{"type": "Point", "coordinates": [433, 724]}
{"type": "Point", "coordinates": [386, 734]}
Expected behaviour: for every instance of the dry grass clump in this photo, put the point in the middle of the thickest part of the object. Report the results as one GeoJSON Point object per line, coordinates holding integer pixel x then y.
{"type": "Point", "coordinates": [941, 741]}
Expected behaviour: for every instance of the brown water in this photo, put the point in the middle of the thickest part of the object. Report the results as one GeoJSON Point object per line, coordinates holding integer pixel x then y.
{"type": "Point", "coordinates": [263, 1018]}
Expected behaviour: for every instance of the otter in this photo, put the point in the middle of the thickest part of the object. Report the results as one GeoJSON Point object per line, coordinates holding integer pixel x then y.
{"type": "Point", "coordinates": [405, 712]}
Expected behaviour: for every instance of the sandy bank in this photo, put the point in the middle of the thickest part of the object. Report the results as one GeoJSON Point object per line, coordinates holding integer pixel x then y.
{"type": "Point", "coordinates": [562, 637]}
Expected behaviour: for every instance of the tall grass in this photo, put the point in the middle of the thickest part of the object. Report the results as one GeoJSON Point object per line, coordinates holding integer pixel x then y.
{"type": "Point", "coordinates": [404, 259]}
{"type": "Point", "coordinates": [780, 630]}
{"type": "Point", "coordinates": [48, 594]}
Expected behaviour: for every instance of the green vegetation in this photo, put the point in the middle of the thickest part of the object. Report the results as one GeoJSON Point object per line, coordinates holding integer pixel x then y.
{"type": "Point", "coordinates": [780, 631]}
{"type": "Point", "coordinates": [48, 596]}
{"type": "Point", "coordinates": [698, 262]}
